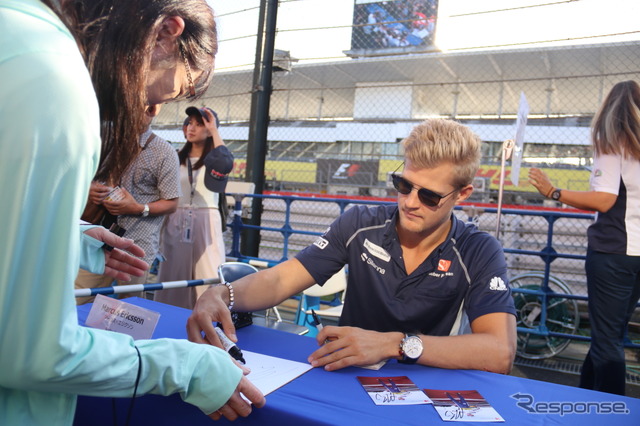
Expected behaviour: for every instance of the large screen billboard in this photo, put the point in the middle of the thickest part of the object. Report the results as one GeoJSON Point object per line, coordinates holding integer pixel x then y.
{"type": "Point", "coordinates": [393, 27]}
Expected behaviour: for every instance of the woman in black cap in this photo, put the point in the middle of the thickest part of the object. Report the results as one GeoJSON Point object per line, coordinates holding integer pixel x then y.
{"type": "Point", "coordinates": [191, 238]}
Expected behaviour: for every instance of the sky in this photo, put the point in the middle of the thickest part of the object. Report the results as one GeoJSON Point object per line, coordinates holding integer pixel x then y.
{"type": "Point", "coordinates": [462, 25]}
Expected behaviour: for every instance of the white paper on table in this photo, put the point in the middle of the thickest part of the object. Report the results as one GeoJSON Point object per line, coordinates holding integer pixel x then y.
{"type": "Point", "coordinates": [269, 373]}
{"type": "Point", "coordinates": [376, 366]}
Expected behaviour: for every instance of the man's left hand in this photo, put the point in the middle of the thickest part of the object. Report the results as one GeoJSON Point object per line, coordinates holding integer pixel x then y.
{"type": "Point", "coordinates": [346, 346]}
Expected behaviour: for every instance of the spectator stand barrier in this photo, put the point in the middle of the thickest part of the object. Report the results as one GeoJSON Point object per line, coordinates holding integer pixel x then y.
{"type": "Point", "coordinates": [548, 309]}
{"type": "Point", "coordinates": [132, 288]}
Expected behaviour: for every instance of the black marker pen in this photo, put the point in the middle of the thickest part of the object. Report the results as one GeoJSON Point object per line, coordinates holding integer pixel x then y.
{"type": "Point", "coordinates": [229, 346]}
{"type": "Point", "coordinates": [316, 319]}
{"type": "Point", "coordinates": [318, 324]}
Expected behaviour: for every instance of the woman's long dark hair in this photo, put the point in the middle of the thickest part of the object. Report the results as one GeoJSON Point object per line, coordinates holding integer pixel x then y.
{"type": "Point", "coordinates": [116, 39]}
{"type": "Point", "coordinates": [616, 125]}
{"type": "Point", "coordinates": [183, 154]}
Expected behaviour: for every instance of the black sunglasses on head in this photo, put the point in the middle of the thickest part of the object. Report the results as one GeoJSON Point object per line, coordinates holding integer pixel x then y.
{"type": "Point", "coordinates": [426, 196]}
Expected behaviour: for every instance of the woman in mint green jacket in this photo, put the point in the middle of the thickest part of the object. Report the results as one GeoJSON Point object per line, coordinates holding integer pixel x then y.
{"type": "Point", "coordinates": [50, 144]}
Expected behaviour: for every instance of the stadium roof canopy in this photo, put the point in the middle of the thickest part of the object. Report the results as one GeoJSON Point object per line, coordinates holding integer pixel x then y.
{"type": "Point", "coordinates": [557, 81]}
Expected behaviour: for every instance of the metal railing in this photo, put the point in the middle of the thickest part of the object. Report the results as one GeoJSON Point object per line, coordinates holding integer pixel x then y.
{"type": "Point", "coordinates": [548, 312]}
{"type": "Point", "coordinates": [136, 288]}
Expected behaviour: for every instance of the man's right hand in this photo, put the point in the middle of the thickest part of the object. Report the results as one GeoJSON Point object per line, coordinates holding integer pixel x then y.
{"type": "Point", "coordinates": [211, 307]}
{"type": "Point", "coordinates": [237, 405]}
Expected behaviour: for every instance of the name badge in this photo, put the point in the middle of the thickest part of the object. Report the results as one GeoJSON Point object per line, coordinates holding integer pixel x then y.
{"type": "Point", "coordinates": [187, 227]}
{"type": "Point", "coordinates": [116, 315]}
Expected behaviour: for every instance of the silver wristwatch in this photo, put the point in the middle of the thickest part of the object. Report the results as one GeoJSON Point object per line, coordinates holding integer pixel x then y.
{"type": "Point", "coordinates": [145, 212]}
{"type": "Point", "coordinates": [410, 349]}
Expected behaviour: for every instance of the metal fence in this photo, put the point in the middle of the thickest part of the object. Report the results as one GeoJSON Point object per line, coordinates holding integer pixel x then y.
{"type": "Point", "coordinates": [335, 121]}
{"type": "Point", "coordinates": [545, 265]}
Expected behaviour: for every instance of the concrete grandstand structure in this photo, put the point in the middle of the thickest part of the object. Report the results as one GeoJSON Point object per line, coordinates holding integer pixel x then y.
{"type": "Point", "coordinates": [358, 109]}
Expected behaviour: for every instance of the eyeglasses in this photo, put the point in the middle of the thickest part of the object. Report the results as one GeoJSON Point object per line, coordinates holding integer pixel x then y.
{"type": "Point", "coordinates": [192, 88]}
{"type": "Point", "coordinates": [426, 196]}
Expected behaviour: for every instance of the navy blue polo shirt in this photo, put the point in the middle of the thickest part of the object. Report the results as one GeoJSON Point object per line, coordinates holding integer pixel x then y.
{"type": "Point", "coordinates": [462, 279]}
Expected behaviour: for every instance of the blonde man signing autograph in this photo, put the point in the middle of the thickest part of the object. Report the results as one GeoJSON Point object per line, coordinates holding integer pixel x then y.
{"type": "Point", "coordinates": [424, 286]}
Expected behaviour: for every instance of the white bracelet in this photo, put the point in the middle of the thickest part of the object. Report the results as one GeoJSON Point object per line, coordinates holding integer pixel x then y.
{"type": "Point", "coordinates": [231, 298]}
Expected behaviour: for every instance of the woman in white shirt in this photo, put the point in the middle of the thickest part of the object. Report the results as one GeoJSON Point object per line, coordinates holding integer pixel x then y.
{"type": "Point", "coordinates": [191, 239]}
{"type": "Point", "coordinates": [613, 252]}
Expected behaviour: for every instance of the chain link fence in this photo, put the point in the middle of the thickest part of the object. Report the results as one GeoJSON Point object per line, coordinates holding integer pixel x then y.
{"type": "Point", "coordinates": [336, 122]}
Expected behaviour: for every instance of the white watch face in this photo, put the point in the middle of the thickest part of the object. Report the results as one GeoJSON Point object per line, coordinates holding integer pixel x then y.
{"type": "Point", "coordinates": [412, 347]}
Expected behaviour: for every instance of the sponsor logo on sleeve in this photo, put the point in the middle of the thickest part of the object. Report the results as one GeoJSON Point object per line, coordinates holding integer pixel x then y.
{"type": "Point", "coordinates": [321, 243]}
{"type": "Point", "coordinates": [377, 251]}
{"type": "Point", "coordinates": [497, 284]}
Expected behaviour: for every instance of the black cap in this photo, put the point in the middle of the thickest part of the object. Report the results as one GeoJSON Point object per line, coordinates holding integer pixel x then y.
{"type": "Point", "coordinates": [218, 164]}
{"type": "Point", "coordinates": [199, 112]}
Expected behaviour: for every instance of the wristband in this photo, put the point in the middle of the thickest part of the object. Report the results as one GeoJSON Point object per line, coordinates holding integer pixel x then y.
{"type": "Point", "coordinates": [231, 298]}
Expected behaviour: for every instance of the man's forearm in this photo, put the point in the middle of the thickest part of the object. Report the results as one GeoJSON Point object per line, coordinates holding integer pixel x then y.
{"type": "Point", "coordinates": [478, 351]}
{"type": "Point", "coordinates": [255, 292]}
{"type": "Point", "coordinates": [270, 287]}
{"type": "Point", "coordinates": [163, 207]}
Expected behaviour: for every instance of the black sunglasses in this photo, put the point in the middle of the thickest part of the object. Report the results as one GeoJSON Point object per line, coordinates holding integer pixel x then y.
{"type": "Point", "coordinates": [426, 196]}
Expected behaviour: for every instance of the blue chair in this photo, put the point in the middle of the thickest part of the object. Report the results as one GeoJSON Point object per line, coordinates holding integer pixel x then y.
{"type": "Point", "coordinates": [310, 299]}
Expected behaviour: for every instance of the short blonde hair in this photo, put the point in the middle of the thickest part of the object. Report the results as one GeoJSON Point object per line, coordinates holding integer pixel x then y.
{"type": "Point", "coordinates": [437, 141]}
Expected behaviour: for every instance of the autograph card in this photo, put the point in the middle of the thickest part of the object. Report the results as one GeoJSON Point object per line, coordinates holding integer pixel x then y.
{"type": "Point", "coordinates": [115, 195]}
{"type": "Point", "coordinates": [398, 390]}
{"type": "Point", "coordinates": [462, 406]}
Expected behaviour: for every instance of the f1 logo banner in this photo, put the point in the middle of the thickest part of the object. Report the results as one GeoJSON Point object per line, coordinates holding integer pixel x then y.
{"type": "Point", "coordinates": [339, 172]}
